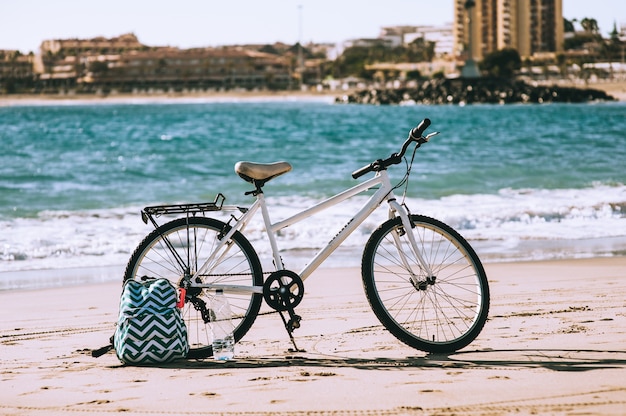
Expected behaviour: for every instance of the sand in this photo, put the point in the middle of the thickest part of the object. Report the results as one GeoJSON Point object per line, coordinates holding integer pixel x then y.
{"type": "Point", "coordinates": [554, 344]}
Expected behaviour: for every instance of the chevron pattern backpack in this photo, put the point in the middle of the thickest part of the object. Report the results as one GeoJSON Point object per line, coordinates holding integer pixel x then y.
{"type": "Point", "coordinates": [150, 328]}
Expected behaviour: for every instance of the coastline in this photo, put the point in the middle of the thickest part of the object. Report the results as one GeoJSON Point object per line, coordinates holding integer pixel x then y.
{"type": "Point", "coordinates": [146, 98]}
{"type": "Point", "coordinates": [615, 88]}
{"type": "Point", "coordinates": [553, 344]}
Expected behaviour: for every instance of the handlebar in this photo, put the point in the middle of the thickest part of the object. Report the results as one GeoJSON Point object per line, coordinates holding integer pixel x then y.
{"type": "Point", "coordinates": [415, 135]}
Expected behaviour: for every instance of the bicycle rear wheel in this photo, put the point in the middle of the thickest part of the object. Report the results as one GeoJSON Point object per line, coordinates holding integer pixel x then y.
{"type": "Point", "coordinates": [177, 249]}
{"type": "Point", "coordinates": [440, 313]}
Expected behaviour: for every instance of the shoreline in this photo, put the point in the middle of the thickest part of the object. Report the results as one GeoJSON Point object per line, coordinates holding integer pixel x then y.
{"type": "Point", "coordinates": [615, 88]}
{"type": "Point", "coordinates": [144, 98]}
{"type": "Point", "coordinates": [490, 252]}
{"type": "Point", "coordinates": [553, 344]}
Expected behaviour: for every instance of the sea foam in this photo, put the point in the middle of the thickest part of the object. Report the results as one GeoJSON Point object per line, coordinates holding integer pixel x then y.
{"type": "Point", "coordinates": [511, 219]}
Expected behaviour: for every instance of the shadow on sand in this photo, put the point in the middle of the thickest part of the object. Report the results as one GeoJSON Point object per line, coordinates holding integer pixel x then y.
{"type": "Point", "coordinates": [552, 359]}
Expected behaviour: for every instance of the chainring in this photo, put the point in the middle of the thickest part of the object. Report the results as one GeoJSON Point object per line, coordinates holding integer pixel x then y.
{"type": "Point", "coordinates": [283, 290]}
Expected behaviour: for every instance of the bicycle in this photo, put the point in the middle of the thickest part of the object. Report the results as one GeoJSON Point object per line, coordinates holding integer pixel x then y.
{"type": "Point", "coordinates": [422, 279]}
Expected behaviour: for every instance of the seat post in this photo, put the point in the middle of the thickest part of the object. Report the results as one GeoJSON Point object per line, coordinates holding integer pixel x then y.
{"type": "Point", "coordinates": [258, 188]}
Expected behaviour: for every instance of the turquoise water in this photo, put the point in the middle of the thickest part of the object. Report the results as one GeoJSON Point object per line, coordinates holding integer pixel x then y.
{"type": "Point", "coordinates": [73, 177]}
{"type": "Point", "coordinates": [106, 156]}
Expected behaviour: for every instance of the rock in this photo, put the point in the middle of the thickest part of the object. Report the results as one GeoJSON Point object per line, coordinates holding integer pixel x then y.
{"type": "Point", "coordinates": [470, 91]}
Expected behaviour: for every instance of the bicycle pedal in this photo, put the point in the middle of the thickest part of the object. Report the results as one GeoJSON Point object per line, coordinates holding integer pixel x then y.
{"type": "Point", "coordinates": [294, 322]}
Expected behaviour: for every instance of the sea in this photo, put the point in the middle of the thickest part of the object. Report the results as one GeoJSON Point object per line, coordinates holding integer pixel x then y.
{"type": "Point", "coordinates": [519, 182]}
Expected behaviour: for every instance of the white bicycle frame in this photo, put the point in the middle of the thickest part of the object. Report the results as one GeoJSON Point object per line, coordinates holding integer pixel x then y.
{"type": "Point", "coordinates": [384, 192]}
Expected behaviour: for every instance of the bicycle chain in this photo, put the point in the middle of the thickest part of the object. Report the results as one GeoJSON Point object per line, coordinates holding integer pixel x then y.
{"type": "Point", "coordinates": [200, 305]}
{"type": "Point", "coordinates": [233, 274]}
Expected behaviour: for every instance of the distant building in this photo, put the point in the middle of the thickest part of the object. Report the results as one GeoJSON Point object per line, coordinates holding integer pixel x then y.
{"type": "Point", "coordinates": [441, 36]}
{"type": "Point", "coordinates": [63, 62]}
{"type": "Point", "coordinates": [202, 68]}
{"type": "Point", "coordinates": [529, 26]}
{"type": "Point", "coordinates": [15, 65]}
{"type": "Point", "coordinates": [124, 64]}
{"type": "Point", "coordinates": [369, 42]}
{"type": "Point", "coordinates": [16, 71]}
{"type": "Point", "coordinates": [98, 45]}
{"type": "Point", "coordinates": [395, 35]}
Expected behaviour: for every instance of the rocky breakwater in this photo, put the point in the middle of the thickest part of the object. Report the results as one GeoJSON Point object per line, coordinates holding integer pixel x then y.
{"type": "Point", "coordinates": [470, 91]}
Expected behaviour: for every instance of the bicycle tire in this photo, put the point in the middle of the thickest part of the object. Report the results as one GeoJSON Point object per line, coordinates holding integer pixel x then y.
{"type": "Point", "coordinates": [440, 316]}
{"type": "Point", "coordinates": [194, 239]}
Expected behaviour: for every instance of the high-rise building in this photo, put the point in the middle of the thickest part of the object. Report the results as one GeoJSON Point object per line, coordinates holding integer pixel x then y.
{"type": "Point", "coordinates": [529, 26]}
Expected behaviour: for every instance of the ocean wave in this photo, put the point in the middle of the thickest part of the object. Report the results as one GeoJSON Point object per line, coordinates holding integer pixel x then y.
{"type": "Point", "coordinates": [508, 221]}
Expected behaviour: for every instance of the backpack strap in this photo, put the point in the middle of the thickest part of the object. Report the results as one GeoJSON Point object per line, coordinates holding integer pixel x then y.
{"type": "Point", "coordinates": [103, 350]}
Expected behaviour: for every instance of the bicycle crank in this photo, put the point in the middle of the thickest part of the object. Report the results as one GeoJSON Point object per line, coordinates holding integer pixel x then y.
{"type": "Point", "coordinates": [283, 291]}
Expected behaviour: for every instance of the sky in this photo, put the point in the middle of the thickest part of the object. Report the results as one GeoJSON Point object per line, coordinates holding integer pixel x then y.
{"type": "Point", "coordinates": [24, 24]}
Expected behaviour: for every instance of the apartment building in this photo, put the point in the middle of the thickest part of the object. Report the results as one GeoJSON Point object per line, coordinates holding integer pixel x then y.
{"type": "Point", "coordinates": [16, 71]}
{"type": "Point", "coordinates": [123, 63]}
{"type": "Point", "coordinates": [14, 65]}
{"type": "Point", "coordinates": [532, 27]}
{"type": "Point", "coordinates": [101, 45]}
{"type": "Point", "coordinates": [202, 68]}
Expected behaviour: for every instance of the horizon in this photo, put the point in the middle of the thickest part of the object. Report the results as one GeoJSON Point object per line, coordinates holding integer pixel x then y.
{"type": "Point", "coordinates": [27, 23]}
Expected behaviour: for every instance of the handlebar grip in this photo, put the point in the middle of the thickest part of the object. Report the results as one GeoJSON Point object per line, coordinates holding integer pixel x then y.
{"type": "Point", "coordinates": [417, 132]}
{"type": "Point", "coordinates": [362, 171]}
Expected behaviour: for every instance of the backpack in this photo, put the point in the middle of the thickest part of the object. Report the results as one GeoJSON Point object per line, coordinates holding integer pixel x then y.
{"type": "Point", "coordinates": [150, 328]}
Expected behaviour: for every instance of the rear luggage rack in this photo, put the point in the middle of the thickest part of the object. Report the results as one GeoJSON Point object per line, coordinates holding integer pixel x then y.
{"type": "Point", "coordinates": [188, 209]}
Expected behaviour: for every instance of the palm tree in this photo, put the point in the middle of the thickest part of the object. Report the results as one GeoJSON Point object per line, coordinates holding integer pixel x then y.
{"type": "Point", "coordinates": [589, 25]}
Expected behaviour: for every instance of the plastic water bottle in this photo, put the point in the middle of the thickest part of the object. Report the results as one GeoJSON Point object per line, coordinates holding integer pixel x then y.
{"type": "Point", "coordinates": [222, 327]}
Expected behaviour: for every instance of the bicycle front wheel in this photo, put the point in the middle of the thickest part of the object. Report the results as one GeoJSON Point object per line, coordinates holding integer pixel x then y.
{"type": "Point", "coordinates": [177, 249]}
{"type": "Point", "coordinates": [439, 313]}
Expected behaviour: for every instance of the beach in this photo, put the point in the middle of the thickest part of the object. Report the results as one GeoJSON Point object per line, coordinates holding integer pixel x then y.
{"type": "Point", "coordinates": [538, 190]}
{"type": "Point", "coordinates": [553, 344]}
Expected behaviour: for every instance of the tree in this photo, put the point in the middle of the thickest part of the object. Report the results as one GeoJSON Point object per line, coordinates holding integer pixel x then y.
{"type": "Point", "coordinates": [568, 25]}
{"type": "Point", "coordinates": [421, 50]}
{"type": "Point", "coordinates": [298, 48]}
{"type": "Point", "coordinates": [269, 49]}
{"type": "Point", "coordinates": [614, 33]}
{"type": "Point", "coordinates": [589, 25]}
{"type": "Point", "coordinates": [502, 63]}
{"type": "Point", "coordinates": [579, 40]}
{"type": "Point", "coordinates": [613, 49]}
{"type": "Point", "coordinates": [354, 59]}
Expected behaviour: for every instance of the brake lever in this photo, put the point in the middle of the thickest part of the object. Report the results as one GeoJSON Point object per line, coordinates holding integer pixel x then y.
{"type": "Point", "coordinates": [428, 136]}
